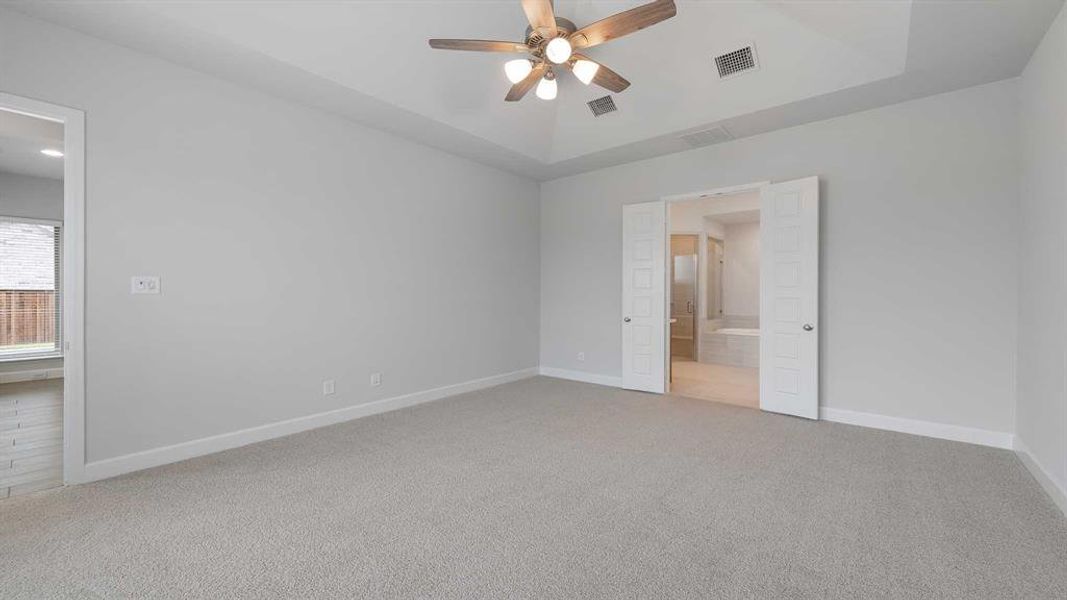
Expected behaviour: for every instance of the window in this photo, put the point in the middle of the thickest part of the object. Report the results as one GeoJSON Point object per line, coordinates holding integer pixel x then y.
{"type": "Point", "coordinates": [30, 296]}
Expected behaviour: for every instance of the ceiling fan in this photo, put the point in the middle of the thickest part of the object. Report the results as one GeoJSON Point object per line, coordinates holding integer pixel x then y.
{"type": "Point", "coordinates": [552, 41]}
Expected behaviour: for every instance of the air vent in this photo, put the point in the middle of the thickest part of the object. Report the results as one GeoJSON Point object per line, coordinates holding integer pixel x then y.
{"type": "Point", "coordinates": [715, 135]}
{"type": "Point", "coordinates": [736, 62]}
{"type": "Point", "coordinates": [602, 106]}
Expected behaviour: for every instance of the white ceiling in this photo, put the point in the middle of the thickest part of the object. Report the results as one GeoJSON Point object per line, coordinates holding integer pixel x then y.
{"type": "Point", "coordinates": [21, 140]}
{"type": "Point", "coordinates": [369, 61]}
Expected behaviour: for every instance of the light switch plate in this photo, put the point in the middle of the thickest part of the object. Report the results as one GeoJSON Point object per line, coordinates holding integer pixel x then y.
{"type": "Point", "coordinates": [375, 379]}
{"type": "Point", "coordinates": [144, 284]}
{"type": "Point", "coordinates": [328, 387]}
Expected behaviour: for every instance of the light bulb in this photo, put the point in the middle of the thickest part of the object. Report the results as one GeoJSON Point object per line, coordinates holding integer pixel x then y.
{"type": "Point", "coordinates": [517, 70]}
{"type": "Point", "coordinates": [585, 70]}
{"type": "Point", "coordinates": [558, 50]}
{"type": "Point", "coordinates": [546, 90]}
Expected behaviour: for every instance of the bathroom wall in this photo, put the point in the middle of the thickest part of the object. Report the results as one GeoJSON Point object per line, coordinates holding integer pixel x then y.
{"type": "Point", "coordinates": [741, 258]}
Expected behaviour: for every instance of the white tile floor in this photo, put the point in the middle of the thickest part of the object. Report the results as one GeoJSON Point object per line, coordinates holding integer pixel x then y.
{"type": "Point", "coordinates": [718, 383]}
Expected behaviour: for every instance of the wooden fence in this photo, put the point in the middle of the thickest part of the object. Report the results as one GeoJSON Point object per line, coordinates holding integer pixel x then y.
{"type": "Point", "coordinates": [27, 317]}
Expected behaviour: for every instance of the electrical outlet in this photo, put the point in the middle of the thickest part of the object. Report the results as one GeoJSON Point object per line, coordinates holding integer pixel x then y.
{"type": "Point", "coordinates": [328, 387]}
{"type": "Point", "coordinates": [375, 379]}
{"type": "Point", "coordinates": [581, 357]}
{"type": "Point", "coordinates": [144, 284]}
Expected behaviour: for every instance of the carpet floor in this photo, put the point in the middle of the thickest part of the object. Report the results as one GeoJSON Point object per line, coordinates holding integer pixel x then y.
{"type": "Point", "coordinates": [546, 488]}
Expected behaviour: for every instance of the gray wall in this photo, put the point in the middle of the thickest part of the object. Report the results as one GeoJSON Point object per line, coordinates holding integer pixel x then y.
{"type": "Point", "coordinates": [919, 251]}
{"type": "Point", "coordinates": [293, 247]}
{"type": "Point", "coordinates": [1041, 419]}
{"type": "Point", "coordinates": [30, 198]}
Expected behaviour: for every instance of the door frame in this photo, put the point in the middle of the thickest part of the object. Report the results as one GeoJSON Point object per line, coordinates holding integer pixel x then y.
{"type": "Point", "coordinates": [73, 240]}
{"type": "Point", "coordinates": [701, 309]}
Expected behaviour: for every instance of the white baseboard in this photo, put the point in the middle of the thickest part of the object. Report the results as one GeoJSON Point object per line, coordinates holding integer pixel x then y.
{"type": "Point", "coordinates": [583, 376]}
{"type": "Point", "coordinates": [1055, 491]}
{"type": "Point", "coordinates": [956, 433]}
{"type": "Point", "coordinates": [155, 457]}
{"type": "Point", "coordinates": [31, 375]}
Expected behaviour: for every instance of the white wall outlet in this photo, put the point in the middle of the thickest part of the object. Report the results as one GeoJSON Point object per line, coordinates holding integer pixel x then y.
{"type": "Point", "coordinates": [144, 284]}
{"type": "Point", "coordinates": [581, 357]}
{"type": "Point", "coordinates": [328, 387]}
{"type": "Point", "coordinates": [375, 379]}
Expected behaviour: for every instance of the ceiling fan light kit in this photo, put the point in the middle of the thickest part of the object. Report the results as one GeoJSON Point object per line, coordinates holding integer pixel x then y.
{"type": "Point", "coordinates": [517, 70]}
{"type": "Point", "coordinates": [558, 50]}
{"type": "Point", "coordinates": [546, 88]}
{"type": "Point", "coordinates": [585, 70]}
{"type": "Point", "coordinates": [553, 41]}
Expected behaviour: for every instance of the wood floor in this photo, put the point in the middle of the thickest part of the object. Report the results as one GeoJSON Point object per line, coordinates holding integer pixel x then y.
{"type": "Point", "coordinates": [31, 436]}
{"type": "Point", "coordinates": [719, 383]}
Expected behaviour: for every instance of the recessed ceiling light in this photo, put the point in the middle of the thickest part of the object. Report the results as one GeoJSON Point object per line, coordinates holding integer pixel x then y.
{"type": "Point", "coordinates": [51, 152]}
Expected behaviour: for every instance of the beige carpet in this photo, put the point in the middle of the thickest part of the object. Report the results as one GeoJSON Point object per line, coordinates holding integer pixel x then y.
{"type": "Point", "coordinates": [552, 489]}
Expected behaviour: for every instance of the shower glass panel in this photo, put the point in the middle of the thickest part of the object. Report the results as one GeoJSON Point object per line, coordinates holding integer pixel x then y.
{"type": "Point", "coordinates": [683, 305]}
{"type": "Point", "coordinates": [714, 303]}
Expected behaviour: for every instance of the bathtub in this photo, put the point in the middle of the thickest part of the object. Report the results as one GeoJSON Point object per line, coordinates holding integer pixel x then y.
{"type": "Point", "coordinates": [732, 346]}
{"type": "Point", "coordinates": [735, 331]}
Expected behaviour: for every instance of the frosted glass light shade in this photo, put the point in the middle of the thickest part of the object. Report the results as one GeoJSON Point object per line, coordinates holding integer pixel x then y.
{"type": "Point", "coordinates": [585, 70]}
{"type": "Point", "coordinates": [517, 70]}
{"type": "Point", "coordinates": [546, 90]}
{"type": "Point", "coordinates": [558, 50]}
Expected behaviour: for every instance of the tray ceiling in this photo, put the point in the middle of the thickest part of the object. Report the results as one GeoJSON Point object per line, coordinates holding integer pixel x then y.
{"type": "Point", "coordinates": [370, 61]}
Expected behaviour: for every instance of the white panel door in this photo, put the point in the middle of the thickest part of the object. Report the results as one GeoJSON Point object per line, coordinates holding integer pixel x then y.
{"type": "Point", "coordinates": [789, 298]}
{"type": "Point", "coordinates": [643, 280]}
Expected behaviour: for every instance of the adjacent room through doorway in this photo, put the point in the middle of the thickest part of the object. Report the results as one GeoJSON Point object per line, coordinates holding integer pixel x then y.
{"type": "Point", "coordinates": [715, 298]}
{"type": "Point", "coordinates": [31, 299]}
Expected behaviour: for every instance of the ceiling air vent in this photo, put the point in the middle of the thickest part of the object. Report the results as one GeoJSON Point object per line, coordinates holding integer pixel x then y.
{"type": "Point", "coordinates": [737, 61]}
{"type": "Point", "coordinates": [602, 106]}
{"type": "Point", "coordinates": [715, 135]}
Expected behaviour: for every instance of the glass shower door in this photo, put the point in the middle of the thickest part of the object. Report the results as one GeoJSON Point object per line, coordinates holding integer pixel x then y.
{"type": "Point", "coordinates": [683, 305]}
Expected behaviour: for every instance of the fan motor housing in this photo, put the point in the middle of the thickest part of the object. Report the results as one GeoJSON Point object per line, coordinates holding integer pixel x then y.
{"type": "Point", "coordinates": [534, 39]}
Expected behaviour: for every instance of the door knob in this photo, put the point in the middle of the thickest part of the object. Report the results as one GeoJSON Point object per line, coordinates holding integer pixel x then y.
{"type": "Point", "coordinates": [808, 327]}
{"type": "Point", "coordinates": [626, 319]}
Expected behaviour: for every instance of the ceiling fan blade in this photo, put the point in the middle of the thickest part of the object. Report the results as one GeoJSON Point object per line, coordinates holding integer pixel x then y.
{"type": "Point", "coordinates": [540, 15]}
{"type": "Point", "coordinates": [520, 89]}
{"type": "Point", "coordinates": [623, 23]}
{"type": "Point", "coordinates": [605, 77]}
{"type": "Point", "coordinates": [479, 45]}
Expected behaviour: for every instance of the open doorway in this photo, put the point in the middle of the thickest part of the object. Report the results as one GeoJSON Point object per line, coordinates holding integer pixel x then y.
{"type": "Point", "coordinates": [31, 299]}
{"type": "Point", "coordinates": [715, 297]}
{"type": "Point", "coordinates": [41, 296]}
{"type": "Point", "coordinates": [784, 327]}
